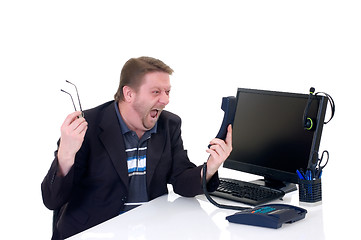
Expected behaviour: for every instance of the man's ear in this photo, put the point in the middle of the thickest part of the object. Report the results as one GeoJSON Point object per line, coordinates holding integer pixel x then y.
{"type": "Point", "coordinates": [128, 93]}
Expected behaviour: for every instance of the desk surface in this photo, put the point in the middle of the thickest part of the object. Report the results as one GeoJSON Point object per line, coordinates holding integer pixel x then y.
{"type": "Point", "coordinates": [175, 217]}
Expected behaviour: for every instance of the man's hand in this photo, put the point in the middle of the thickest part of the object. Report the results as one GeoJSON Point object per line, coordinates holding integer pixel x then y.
{"type": "Point", "coordinates": [72, 136]}
{"type": "Point", "coordinates": [219, 152]}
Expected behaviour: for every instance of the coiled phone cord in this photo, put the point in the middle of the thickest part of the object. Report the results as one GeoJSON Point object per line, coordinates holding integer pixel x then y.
{"type": "Point", "coordinates": [211, 200]}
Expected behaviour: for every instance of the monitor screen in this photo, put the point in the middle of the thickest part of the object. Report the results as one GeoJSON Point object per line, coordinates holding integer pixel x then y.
{"type": "Point", "coordinates": [269, 138]}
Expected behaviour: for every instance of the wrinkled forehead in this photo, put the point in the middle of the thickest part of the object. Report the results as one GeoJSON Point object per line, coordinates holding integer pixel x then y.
{"type": "Point", "coordinates": [159, 80]}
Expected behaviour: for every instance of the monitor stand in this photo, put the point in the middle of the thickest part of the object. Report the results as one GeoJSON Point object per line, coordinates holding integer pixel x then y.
{"type": "Point", "coordinates": [280, 185]}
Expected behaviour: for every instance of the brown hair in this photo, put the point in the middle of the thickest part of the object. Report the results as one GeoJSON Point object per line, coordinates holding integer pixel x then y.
{"type": "Point", "coordinates": [134, 70]}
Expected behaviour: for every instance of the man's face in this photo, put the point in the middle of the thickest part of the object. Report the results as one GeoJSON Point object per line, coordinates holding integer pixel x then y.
{"type": "Point", "coordinates": [151, 98]}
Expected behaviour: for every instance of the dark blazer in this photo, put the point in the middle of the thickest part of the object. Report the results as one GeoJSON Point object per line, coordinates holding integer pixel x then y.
{"type": "Point", "coordinates": [96, 187]}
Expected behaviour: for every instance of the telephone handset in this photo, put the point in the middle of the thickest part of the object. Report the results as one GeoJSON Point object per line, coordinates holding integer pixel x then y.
{"type": "Point", "coordinates": [229, 105]}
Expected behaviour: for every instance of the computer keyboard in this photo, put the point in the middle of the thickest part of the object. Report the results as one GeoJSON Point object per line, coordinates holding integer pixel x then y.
{"type": "Point", "coordinates": [246, 192]}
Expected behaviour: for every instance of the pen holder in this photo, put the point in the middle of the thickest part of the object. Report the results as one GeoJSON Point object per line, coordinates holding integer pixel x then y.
{"type": "Point", "coordinates": [310, 191]}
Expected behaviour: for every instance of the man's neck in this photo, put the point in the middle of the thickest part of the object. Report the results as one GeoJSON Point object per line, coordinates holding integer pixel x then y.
{"type": "Point", "coordinates": [125, 112]}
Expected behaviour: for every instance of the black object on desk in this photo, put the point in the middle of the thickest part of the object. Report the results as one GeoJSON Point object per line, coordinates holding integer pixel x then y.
{"type": "Point", "coordinates": [310, 188]}
{"type": "Point", "coordinates": [269, 215]}
{"type": "Point", "coordinates": [310, 191]}
{"type": "Point", "coordinates": [246, 192]}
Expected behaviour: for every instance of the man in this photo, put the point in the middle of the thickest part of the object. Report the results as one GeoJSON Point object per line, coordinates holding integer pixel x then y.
{"type": "Point", "coordinates": [124, 153]}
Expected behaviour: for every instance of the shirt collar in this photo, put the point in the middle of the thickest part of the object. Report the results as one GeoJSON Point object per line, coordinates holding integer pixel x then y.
{"type": "Point", "coordinates": [124, 128]}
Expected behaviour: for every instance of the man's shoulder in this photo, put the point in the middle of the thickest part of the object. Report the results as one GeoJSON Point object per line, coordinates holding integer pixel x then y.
{"type": "Point", "coordinates": [98, 108]}
{"type": "Point", "coordinates": [169, 121]}
{"type": "Point", "coordinates": [169, 116]}
{"type": "Point", "coordinates": [96, 114]}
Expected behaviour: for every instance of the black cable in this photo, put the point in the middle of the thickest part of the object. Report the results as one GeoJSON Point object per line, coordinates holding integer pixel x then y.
{"type": "Point", "coordinates": [211, 200]}
{"type": "Point", "coordinates": [332, 104]}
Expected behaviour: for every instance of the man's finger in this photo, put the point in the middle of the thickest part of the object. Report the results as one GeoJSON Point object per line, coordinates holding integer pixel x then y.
{"type": "Point", "coordinates": [70, 118]}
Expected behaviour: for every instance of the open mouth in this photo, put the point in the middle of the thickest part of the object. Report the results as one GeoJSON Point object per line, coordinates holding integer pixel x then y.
{"type": "Point", "coordinates": [154, 113]}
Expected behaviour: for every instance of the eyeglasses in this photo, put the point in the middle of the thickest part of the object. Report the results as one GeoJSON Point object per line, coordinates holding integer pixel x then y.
{"type": "Point", "coordinates": [72, 100]}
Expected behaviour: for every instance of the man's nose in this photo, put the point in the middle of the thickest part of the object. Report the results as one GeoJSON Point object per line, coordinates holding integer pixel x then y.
{"type": "Point", "coordinates": [164, 98]}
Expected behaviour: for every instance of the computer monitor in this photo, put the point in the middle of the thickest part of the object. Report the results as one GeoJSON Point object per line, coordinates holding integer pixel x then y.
{"type": "Point", "coordinates": [269, 138]}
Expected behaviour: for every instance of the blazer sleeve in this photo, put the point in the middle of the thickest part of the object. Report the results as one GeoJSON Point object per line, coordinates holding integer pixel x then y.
{"type": "Point", "coordinates": [186, 177]}
{"type": "Point", "coordinates": [56, 189]}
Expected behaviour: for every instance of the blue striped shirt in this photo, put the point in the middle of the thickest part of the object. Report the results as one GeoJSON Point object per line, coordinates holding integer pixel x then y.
{"type": "Point", "coordinates": [136, 151]}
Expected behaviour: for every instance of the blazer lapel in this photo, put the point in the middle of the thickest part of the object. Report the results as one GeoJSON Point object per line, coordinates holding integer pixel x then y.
{"type": "Point", "coordinates": [112, 139]}
{"type": "Point", "coordinates": [154, 152]}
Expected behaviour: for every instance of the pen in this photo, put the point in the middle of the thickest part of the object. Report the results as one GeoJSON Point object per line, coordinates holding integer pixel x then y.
{"type": "Point", "coordinates": [300, 175]}
{"type": "Point", "coordinates": [308, 174]}
{"type": "Point", "coordinates": [319, 173]}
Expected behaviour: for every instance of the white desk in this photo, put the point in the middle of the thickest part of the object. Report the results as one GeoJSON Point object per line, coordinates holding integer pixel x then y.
{"type": "Point", "coordinates": [175, 217]}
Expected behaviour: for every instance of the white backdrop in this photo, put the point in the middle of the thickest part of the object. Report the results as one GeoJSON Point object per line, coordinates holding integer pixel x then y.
{"type": "Point", "coordinates": [213, 46]}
